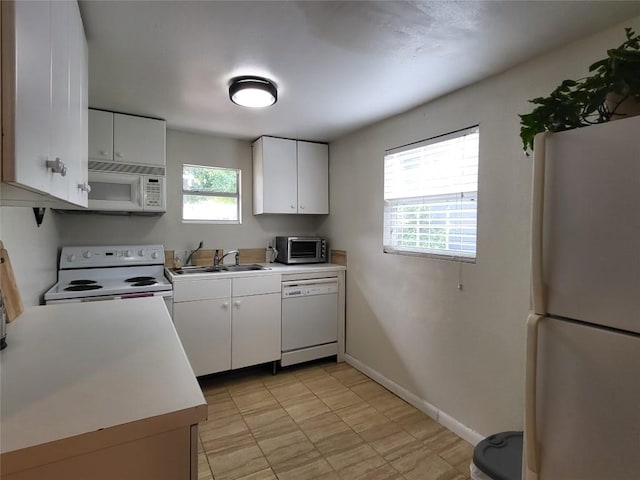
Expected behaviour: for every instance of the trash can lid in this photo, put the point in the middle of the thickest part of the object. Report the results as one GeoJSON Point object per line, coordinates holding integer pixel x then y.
{"type": "Point", "coordinates": [500, 456]}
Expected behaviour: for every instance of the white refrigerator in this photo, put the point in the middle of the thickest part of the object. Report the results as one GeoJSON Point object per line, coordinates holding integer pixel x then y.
{"type": "Point", "coordinates": [582, 403]}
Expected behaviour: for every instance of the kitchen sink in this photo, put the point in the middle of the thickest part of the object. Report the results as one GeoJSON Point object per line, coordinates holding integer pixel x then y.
{"type": "Point", "coordinates": [245, 268]}
{"type": "Point", "coordinates": [222, 268]}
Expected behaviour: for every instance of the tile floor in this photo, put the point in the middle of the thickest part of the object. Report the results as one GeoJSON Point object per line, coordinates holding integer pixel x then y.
{"type": "Point", "coordinates": [320, 421]}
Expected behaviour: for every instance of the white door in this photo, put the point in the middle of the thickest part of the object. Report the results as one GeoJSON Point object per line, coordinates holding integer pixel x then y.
{"type": "Point", "coordinates": [592, 224]}
{"type": "Point", "coordinates": [204, 328]}
{"type": "Point", "coordinates": [255, 336]}
{"type": "Point", "coordinates": [100, 135]}
{"type": "Point", "coordinates": [313, 178]}
{"type": "Point", "coordinates": [139, 140]}
{"type": "Point", "coordinates": [588, 403]}
{"type": "Point", "coordinates": [279, 170]}
{"type": "Point", "coordinates": [33, 99]}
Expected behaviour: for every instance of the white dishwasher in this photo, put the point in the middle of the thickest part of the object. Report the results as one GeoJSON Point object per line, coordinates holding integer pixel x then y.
{"type": "Point", "coordinates": [309, 319]}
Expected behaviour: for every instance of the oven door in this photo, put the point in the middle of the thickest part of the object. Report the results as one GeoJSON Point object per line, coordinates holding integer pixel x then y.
{"type": "Point", "coordinates": [305, 250]}
{"type": "Point", "coordinates": [118, 192]}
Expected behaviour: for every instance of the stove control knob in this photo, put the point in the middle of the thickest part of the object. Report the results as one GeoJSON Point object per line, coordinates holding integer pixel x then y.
{"type": "Point", "coordinates": [155, 255]}
{"type": "Point", "coordinates": [71, 258]}
{"type": "Point", "coordinates": [87, 254]}
{"type": "Point", "coordinates": [141, 253]}
{"type": "Point", "coordinates": [129, 253]}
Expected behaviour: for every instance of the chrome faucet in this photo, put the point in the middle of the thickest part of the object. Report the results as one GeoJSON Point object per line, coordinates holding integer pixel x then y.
{"type": "Point", "coordinates": [193, 252]}
{"type": "Point", "coordinates": [217, 258]}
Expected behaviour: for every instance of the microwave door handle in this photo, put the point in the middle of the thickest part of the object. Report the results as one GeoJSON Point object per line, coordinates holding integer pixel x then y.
{"type": "Point", "coordinates": [140, 199]}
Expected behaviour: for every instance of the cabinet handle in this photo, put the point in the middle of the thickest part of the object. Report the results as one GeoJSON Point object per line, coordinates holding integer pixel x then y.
{"type": "Point", "coordinates": [236, 303]}
{"type": "Point", "coordinates": [57, 166]}
{"type": "Point", "coordinates": [119, 154]}
{"type": "Point", "coordinates": [301, 207]}
{"type": "Point", "coordinates": [104, 153]}
{"type": "Point", "coordinates": [293, 207]}
{"type": "Point", "coordinates": [225, 305]}
{"type": "Point", "coordinates": [84, 187]}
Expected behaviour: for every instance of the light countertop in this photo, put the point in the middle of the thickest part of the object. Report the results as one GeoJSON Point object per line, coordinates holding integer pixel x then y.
{"type": "Point", "coordinates": [272, 269]}
{"type": "Point", "coordinates": [78, 370]}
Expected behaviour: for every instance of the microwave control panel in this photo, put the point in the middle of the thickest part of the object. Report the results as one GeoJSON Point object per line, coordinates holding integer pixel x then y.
{"type": "Point", "coordinates": [153, 193]}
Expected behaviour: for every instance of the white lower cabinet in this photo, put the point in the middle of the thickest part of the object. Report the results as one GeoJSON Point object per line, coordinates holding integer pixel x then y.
{"type": "Point", "coordinates": [256, 330]}
{"type": "Point", "coordinates": [229, 323]}
{"type": "Point", "coordinates": [204, 328]}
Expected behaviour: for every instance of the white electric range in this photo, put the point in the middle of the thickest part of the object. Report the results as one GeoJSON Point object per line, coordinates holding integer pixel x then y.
{"type": "Point", "coordinates": [95, 273]}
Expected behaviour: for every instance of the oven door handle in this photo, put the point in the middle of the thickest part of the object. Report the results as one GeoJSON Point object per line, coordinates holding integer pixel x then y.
{"type": "Point", "coordinates": [136, 295]}
{"type": "Point", "coordinates": [97, 299]}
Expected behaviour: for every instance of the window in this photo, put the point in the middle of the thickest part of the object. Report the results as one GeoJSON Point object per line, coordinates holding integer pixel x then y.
{"type": "Point", "coordinates": [210, 194]}
{"type": "Point", "coordinates": [430, 197]}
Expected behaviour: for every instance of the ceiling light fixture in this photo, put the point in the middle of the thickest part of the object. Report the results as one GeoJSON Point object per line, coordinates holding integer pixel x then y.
{"type": "Point", "coordinates": [254, 92]}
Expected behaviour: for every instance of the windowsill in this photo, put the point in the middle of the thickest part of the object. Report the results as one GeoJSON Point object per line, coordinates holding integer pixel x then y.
{"type": "Point", "coordinates": [434, 256]}
{"type": "Point", "coordinates": [214, 222]}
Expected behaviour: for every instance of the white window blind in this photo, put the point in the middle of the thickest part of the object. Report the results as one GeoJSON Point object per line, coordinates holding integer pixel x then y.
{"type": "Point", "coordinates": [430, 196]}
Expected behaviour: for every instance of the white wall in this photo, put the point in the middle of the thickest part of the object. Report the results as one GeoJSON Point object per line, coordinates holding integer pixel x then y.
{"type": "Point", "coordinates": [33, 250]}
{"type": "Point", "coordinates": [461, 351]}
{"type": "Point", "coordinates": [198, 149]}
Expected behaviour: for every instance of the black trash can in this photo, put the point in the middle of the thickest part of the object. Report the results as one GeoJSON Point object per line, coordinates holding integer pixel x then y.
{"type": "Point", "coordinates": [498, 457]}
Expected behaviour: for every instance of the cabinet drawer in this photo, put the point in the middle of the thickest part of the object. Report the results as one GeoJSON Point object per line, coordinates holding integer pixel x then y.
{"type": "Point", "coordinates": [257, 285]}
{"type": "Point", "coordinates": [201, 289]}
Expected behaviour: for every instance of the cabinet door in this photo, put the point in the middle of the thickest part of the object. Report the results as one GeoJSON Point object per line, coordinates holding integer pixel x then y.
{"type": "Point", "coordinates": [100, 135]}
{"type": "Point", "coordinates": [313, 178]}
{"type": "Point", "coordinates": [204, 328]}
{"type": "Point", "coordinates": [279, 177]}
{"type": "Point", "coordinates": [77, 168]}
{"type": "Point", "coordinates": [139, 140]}
{"type": "Point", "coordinates": [60, 111]}
{"type": "Point", "coordinates": [256, 330]}
{"type": "Point", "coordinates": [31, 54]}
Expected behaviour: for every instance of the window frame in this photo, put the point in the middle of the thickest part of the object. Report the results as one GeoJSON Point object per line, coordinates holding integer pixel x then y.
{"type": "Point", "coordinates": [210, 193]}
{"type": "Point", "coordinates": [446, 254]}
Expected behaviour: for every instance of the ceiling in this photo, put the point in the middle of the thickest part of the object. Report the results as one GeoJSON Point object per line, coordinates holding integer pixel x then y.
{"type": "Point", "coordinates": [338, 65]}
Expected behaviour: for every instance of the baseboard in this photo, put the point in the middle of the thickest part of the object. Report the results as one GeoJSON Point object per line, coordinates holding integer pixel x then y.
{"type": "Point", "coordinates": [438, 415]}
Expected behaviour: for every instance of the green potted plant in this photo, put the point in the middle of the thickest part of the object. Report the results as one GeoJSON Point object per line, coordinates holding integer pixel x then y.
{"type": "Point", "coordinates": [600, 97]}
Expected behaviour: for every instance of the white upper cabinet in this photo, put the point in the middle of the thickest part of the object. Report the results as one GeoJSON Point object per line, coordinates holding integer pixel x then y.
{"type": "Point", "coordinates": [100, 135]}
{"type": "Point", "coordinates": [290, 176]}
{"type": "Point", "coordinates": [313, 177]}
{"type": "Point", "coordinates": [139, 140]}
{"type": "Point", "coordinates": [78, 118]}
{"type": "Point", "coordinates": [275, 183]}
{"type": "Point", "coordinates": [126, 138]}
{"type": "Point", "coordinates": [44, 84]}
{"type": "Point", "coordinates": [25, 163]}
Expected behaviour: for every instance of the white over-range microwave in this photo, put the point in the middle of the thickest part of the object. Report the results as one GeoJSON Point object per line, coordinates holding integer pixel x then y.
{"type": "Point", "coordinates": [118, 188]}
{"type": "Point", "coordinates": [127, 192]}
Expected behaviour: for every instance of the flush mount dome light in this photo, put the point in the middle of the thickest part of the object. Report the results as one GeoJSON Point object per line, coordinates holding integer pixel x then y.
{"type": "Point", "coordinates": [252, 92]}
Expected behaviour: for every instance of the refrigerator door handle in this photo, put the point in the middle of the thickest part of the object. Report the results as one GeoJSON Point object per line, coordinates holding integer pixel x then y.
{"type": "Point", "coordinates": [531, 447]}
{"type": "Point", "coordinates": [537, 278]}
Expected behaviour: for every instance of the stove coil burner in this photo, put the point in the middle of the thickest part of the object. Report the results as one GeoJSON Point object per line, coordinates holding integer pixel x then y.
{"type": "Point", "coordinates": [82, 282]}
{"type": "Point", "coordinates": [81, 288]}
{"type": "Point", "coordinates": [144, 283]}
{"type": "Point", "coordinates": [141, 279]}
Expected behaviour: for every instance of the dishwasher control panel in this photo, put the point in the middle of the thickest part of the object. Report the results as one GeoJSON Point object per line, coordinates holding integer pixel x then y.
{"type": "Point", "coordinates": [309, 289]}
